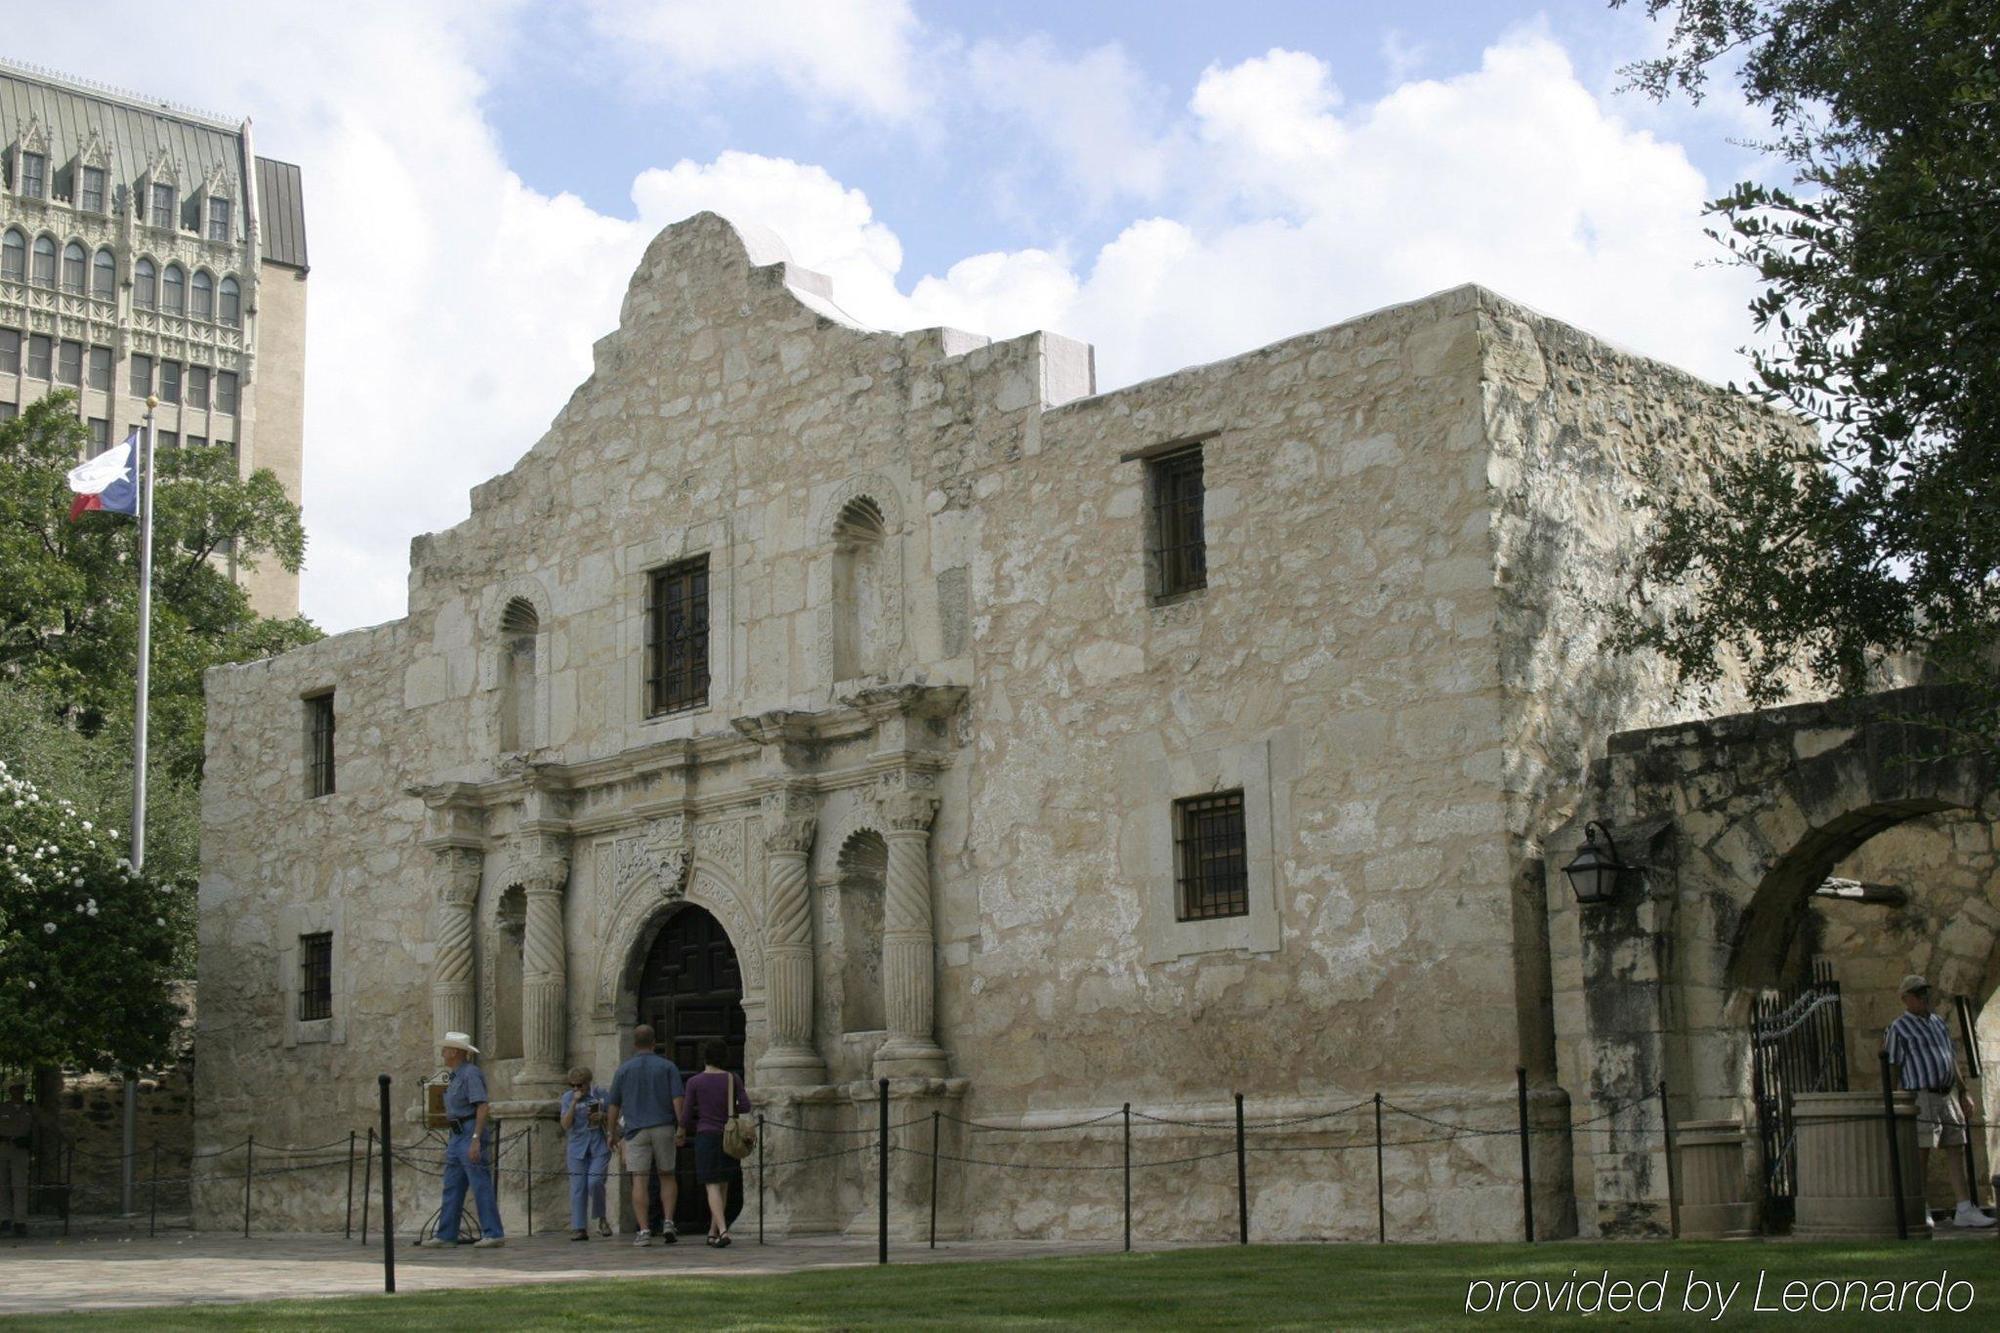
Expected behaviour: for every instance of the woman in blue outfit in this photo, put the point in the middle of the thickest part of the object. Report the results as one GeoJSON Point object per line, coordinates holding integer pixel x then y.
{"type": "Point", "coordinates": [588, 1151]}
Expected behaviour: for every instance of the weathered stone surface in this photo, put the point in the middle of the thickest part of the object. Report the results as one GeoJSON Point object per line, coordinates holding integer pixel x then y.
{"type": "Point", "coordinates": [929, 572]}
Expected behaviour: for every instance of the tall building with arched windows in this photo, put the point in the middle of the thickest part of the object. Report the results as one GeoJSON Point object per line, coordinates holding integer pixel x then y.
{"type": "Point", "coordinates": [146, 249]}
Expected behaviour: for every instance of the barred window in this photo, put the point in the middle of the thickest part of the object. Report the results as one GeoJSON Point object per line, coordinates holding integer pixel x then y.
{"type": "Point", "coordinates": [163, 205]}
{"type": "Point", "coordinates": [315, 976]}
{"type": "Point", "coordinates": [319, 744]}
{"type": "Point", "coordinates": [1211, 866]}
{"type": "Point", "coordinates": [1180, 552]}
{"type": "Point", "coordinates": [677, 638]}
{"type": "Point", "coordinates": [90, 194]}
{"type": "Point", "coordinates": [34, 175]}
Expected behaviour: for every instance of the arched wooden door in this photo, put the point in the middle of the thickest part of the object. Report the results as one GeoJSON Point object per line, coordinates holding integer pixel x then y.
{"type": "Point", "coordinates": [691, 990]}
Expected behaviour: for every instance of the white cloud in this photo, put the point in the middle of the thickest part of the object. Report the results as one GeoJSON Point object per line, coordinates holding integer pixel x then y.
{"type": "Point", "coordinates": [858, 54]}
{"type": "Point", "coordinates": [1097, 114]}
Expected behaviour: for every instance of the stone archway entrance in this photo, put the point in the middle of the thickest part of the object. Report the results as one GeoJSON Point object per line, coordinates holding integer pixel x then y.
{"type": "Point", "coordinates": [690, 990]}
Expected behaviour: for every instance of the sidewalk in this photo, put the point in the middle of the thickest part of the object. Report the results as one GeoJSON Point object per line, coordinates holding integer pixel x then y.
{"type": "Point", "coordinates": [109, 1273]}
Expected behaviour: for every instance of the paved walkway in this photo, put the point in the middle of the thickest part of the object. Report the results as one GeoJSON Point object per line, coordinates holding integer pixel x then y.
{"type": "Point", "coordinates": [108, 1272]}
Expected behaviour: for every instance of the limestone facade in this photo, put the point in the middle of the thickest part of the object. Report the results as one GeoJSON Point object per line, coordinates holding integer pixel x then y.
{"type": "Point", "coordinates": [929, 793]}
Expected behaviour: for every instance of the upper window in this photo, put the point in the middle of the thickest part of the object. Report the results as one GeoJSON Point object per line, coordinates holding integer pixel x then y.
{"type": "Point", "coordinates": [173, 290]}
{"type": "Point", "coordinates": [142, 374]}
{"type": "Point", "coordinates": [100, 369]}
{"type": "Point", "coordinates": [1211, 864]}
{"type": "Point", "coordinates": [41, 351]}
{"type": "Point", "coordinates": [170, 381]}
{"type": "Point", "coordinates": [319, 744]}
{"type": "Point", "coordinates": [1179, 549]}
{"type": "Point", "coordinates": [10, 352]}
{"type": "Point", "coordinates": [163, 205]}
{"type": "Point", "coordinates": [229, 307]}
{"type": "Point", "coordinates": [145, 285]}
{"type": "Point", "coordinates": [103, 276]}
{"type": "Point", "coordinates": [100, 436]}
{"type": "Point", "coordinates": [45, 261]}
{"type": "Point", "coordinates": [90, 190]}
{"type": "Point", "coordinates": [69, 363]}
{"type": "Point", "coordinates": [677, 637]}
{"type": "Point", "coordinates": [315, 976]}
{"type": "Point", "coordinates": [75, 263]}
{"type": "Point", "coordinates": [13, 256]}
{"type": "Point", "coordinates": [225, 392]}
{"type": "Point", "coordinates": [201, 295]}
{"type": "Point", "coordinates": [197, 386]}
{"type": "Point", "coordinates": [218, 219]}
{"type": "Point", "coordinates": [34, 175]}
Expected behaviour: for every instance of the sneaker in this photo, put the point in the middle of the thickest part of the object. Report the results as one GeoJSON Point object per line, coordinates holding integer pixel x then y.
{"type": "Point", "coordinates": [438, 1243]}
{"type": "Point", "coordinates": [668, 1235]}
{"type": "Point", "coordinates": [603, 1227]}
{"type": "Point", "coordinates": [489, 1242]}
{"type": "Point", "coordinates": [1969, 1214]}
{"type": "Point", "coordinates": [579, 1234]}
{"type": "Point", "coordinates": [643, 1239]}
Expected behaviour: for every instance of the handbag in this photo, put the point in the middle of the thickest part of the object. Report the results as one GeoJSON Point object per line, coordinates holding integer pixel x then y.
{"type": "Point", "coordinates": [739, 1134]}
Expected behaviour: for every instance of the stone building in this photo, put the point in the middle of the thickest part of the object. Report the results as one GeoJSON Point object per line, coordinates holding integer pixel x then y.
{"type": "Point", "coordinates": [899, 706]}
{"type": "Point", "coordinates": [146, 248]}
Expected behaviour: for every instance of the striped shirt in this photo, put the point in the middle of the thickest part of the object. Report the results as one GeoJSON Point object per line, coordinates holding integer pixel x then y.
{"type": "Point", "coordinates": [1920, 1044]}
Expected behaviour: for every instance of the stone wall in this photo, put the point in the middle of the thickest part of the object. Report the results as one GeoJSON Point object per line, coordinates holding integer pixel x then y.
{"type": "Point", "coordinates": [1388, 504]}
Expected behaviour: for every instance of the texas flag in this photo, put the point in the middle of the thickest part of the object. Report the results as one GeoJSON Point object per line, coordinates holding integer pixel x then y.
{"type": "Point", "coordinates": [105, 482]}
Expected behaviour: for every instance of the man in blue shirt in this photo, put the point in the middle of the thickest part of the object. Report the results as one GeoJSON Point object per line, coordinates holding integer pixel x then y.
{"type": "Point", "coordinates": [645, 1116]}
{"type": "Point", "coordinates": [465, 1106]}
{"type": "Point", "coordinates": [1919, 1044]}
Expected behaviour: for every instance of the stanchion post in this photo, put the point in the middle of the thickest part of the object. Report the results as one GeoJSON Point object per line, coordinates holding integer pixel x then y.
{"type": "Point", "coordinates": [347, 1231]}
{"type": "Point", "coordinates": [68, 1184]}
{"type": "Point", "coordinates": [1128, 1177]}
{"type": "Point", "coordinates": [882, 1173]}
{"type": "Point", "coordinates": [1527, 1156]}
{"type": "Point", "coordinates": [1381, 1199]}
{"type": "Point", "coordinates": [249, 1160]}
{"type": "Point", "coordinates": [367, 1181]}
{"type": "Point", "coordinates": [531, 1179]}
{"type": "Point", "coordinates": [388, 1195]}
{"type": "Point", "coordinates": [936, 1116]}
{"type": "Point", "coordinates": [1895, 1153]}
{"type": "Point", "coordinates": [760, 1177]}
{"type": "Point", "coordinates": [1673, 1169]}
{"type": "Point", "coordinates": [153, 1194]}
{"type": "Point", "coordinates": [1242, 1180]}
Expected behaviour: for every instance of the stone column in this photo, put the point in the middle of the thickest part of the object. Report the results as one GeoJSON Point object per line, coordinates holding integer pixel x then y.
{"type": "Point", "coordinates": [541, 873]}
{"type": "Point", "coordinates": [790, 1059]}
{"type": "Point", "coordinates": [457, 872]}
{"type": "Point", "coordinates": [909, 985]}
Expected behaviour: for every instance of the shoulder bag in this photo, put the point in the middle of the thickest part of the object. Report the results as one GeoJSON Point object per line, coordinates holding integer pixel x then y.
{"type": "Point", "coordinates": [739, 1133]}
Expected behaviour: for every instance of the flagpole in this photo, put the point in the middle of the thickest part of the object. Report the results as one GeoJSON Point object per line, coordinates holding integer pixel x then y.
{"type": "Point", "coordinates": [140, 708]}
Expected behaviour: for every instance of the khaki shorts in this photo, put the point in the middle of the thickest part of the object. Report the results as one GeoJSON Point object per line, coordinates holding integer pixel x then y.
{"type": "Point", "coordinates": [650, 1149]}
{"type": "Point", "coordinates": [1940, 1123]}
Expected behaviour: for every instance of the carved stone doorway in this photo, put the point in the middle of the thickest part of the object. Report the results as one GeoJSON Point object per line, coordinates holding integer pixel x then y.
{"type": "Point", "coordinates": [691, 990]}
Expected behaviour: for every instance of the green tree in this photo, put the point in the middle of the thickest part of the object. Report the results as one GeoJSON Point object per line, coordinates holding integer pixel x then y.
{"type": "Point", "coordinates": [1876, 532]}
{"type": "Point", "coordinates": [69, 590]}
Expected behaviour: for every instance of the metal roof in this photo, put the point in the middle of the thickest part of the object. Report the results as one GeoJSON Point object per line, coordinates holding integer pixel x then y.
{"type": "Point", "coordinates": [134, 130]}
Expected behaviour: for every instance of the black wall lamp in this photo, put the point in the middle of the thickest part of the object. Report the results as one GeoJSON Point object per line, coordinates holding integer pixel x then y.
{"type": "Point", "coordinates": [1593, 875]}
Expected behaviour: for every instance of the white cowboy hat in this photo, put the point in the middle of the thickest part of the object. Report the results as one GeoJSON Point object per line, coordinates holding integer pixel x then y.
{"type": "Point", "coordinates": [458, 1041]}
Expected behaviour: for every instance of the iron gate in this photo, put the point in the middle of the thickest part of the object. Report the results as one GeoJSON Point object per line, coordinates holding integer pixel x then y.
{"type": "Point", "coordinates": [1798, 1043]}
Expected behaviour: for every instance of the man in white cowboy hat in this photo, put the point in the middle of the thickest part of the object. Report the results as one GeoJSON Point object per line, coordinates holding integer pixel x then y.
{"type": "Point", "coordinates": [1919, 1044]}
{"type": "Point", "coordinates": [465, 1151]}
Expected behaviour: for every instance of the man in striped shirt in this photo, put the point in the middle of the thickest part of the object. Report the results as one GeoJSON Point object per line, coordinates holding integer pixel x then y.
{"type": "Point", "coordinates": [1920, 1045]}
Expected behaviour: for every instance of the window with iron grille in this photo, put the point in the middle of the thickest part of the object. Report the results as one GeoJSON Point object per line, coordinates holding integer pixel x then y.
{"type": "Point", "coordinates": [319, 745]}
{"type": "Point", "coordinates": [34, 175]}
{"type": "Point", "coordinates": [677, 637]}
{"type": "Point", "coordinates": [1210, 864]}
{"type": "Point", "coordinates": [315, 976]}
{"type": "Point", "coordinates": [163, 205]}
{"type": "Point", "coordinates": [1180, 552]}
{"type": "Point", "coordinates": [90, 193]}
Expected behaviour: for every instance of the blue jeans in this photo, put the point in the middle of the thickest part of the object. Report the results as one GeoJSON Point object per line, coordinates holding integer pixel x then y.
{"type": "Point", "coordinates": [458, 1173]}
{"type": "Point", "coordinates": [588, 1166]}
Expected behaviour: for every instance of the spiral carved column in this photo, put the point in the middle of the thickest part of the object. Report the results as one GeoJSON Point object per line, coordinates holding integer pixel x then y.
{"type": "Point", "coordinates": [790, 1058]}
{"type": "Point", "coordinates": [457, 873]}
{"type": "Point", "coordinates": [909, 983]}
{"type": "Point", "coordinates": [544, 980]}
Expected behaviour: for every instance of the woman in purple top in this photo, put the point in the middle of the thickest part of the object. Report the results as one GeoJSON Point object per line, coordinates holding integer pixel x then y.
{"type": "Point", "coordinates": [704, 1114]}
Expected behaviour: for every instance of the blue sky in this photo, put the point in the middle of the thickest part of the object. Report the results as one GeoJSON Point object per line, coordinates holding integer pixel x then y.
{"type": "Point", "coordinates": [1174, 182]}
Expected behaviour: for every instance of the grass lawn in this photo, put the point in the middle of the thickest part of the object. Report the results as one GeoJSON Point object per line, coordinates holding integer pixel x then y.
{"type": "Point", "coordinates": [1264, 1286]}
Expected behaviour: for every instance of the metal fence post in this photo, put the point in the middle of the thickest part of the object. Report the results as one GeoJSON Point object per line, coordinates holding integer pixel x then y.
{"type": "Point", "coordinates": [68, 1185]}
{"type": "Point", "coordinates": [1242, 1181]}
{"type": "Point", "coordinates": [760, 1177]}
{"type": "Point", "coordinates": [935, 1117]}
{"type": "Point", "coordinates": [347, 1231]}
{"type": "Point", "coordinates": [531, 1178]}
{"type": "Point", "coordinates": [882, 1174]}
{"type": "Point", "coordinates": [1895, 1148]}
{"type": "Point", "coordinates": [367, 1181]}
{"type": "Point", "coordinates": [388, 1195]}
{"type": "Point", "coordinates": [1381, 1200]}
{"type": "Point", "coordinates": [1527, 1156]}
{"type": "Point", "coordinates": [153, 1194]}
{"type": "Point", "coordinates": [1673, 1171]}
{"type": "Point", "coordinates": [249, 1160]}
{"type": "Point", "coordinates": [1128, 1177]}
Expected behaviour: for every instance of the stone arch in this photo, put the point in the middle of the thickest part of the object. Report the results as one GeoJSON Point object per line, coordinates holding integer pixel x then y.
{"type": "Point", "coordinates": [860, 524]}
{"type": "Point", "coordinates": [639, 917]}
